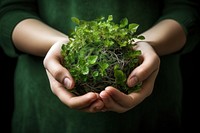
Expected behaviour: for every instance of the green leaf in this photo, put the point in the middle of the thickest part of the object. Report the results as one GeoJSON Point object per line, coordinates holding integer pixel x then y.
{"type": "Point", "coordinates": [133, 27]}
{"type": "Point", "coordinates": [141, 37]}
{"type": "Point", "coordinates": [99, 53]}
{"type": "Point", "coordinates": [104, 65]}
{"type": "Point", "coordinates": [92, 59]}
{"type": "Point", "coordinates": [85, 70]}
{"type": "Point", "coordinates": [120, 77]}
{"type": "Point", "coordinates": [116, 67]}
{"type": "Point", "coordinates": [75, 20]}
{"type": "Point", "coordinates": [110, 18]}
{"type": "Point", "coordinates": [95, 73]}
{"type": "Point", "coordinates": [123, 22]}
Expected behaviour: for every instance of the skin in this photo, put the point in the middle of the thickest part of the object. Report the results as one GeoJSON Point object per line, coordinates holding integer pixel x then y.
{"type": "Point", "coordinates": [34, 37]}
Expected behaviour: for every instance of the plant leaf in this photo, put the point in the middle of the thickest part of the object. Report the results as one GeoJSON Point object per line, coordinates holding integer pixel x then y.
{"type": "Point", "coordinates": [85, 70]}
{"type": "Point", "coordinates": [75, 20]}
{"type": "Point", "coordinates": [120, 77]}
{"type": "Point", "coordinates": [92, 59]}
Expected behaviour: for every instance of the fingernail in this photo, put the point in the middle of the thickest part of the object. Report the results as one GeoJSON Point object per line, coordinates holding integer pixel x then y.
{"type": "Point", "coordinates": [103, 110]}
{"type": "Point", "coordinates": [97, 108]}
{"type": "Point", "coordinates": [133, 81]}
{"type": "Point", "coordinates": [67, 83]}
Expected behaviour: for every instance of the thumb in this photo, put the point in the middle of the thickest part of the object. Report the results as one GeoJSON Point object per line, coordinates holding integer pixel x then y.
{"type": "Point", "coordinates": [52, 63]}
{"type": "Point", "coordinates": [149, 65]}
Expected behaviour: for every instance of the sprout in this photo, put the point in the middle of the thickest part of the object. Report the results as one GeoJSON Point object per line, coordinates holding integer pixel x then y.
{"type": "Point", "coordinates": [100, 54]}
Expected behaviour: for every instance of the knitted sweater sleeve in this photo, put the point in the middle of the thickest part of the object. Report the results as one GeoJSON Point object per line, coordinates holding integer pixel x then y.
{"type": "Point", "coordinates": [185, 12]}
{"type": "Point", "coordinates": [11, 13]}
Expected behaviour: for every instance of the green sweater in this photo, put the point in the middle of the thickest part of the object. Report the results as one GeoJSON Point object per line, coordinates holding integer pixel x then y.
{"type": "Point", "coordinates": [38, 110]}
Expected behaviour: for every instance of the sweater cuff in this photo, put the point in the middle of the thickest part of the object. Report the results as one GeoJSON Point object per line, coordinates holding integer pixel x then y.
{"type": "Point", "coordinates": [8, 23]}
{"type": "Point", "coordinates": [189, 25]}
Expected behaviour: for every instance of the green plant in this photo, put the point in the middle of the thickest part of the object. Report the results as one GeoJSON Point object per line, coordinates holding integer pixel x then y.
{"type": "Point", "coordinates": [100, 54]}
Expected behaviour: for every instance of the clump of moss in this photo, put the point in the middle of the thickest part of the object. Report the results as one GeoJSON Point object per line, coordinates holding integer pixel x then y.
{"type": "Point", "coordinates": [100, 54]}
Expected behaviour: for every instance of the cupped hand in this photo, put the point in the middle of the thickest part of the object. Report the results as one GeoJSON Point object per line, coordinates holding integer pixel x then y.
{"type": "Point", "coordinates": [61, 82]}
{"type": "Point", "coordinates": [146, 73]}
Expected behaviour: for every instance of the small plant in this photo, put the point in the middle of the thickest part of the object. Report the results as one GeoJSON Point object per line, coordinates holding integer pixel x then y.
{"type": "Point", "coordinates": [100, 54]}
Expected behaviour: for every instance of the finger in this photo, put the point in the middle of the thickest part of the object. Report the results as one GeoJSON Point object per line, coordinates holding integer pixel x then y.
{"type": "Point", "coordinates": [52, 63]}
{"type": "Point", "coordinates": [149, 64]}
{"type": "Point", "coordinates": [54, 84]}
{"type": "Point", "coordinates": [96, 106]}
{"type": "Point", "coordinates": [116, 100]}
{"type": "Point", "coordinates": [145, 91]}
{"type": "Point", "coordinates": [110, 103]}
{"type": "Point", "coordinates": [60, 73]}
{"type": "Point", "coordinates": [79, 102]}
{"type": "Point", "coordinates": [68, 98]}
{"type": "Point", "coordinates": [119, 97]}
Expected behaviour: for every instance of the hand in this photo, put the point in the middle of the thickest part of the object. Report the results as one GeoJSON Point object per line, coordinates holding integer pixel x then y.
{"type": "Point", "coordinates": [61, 80]}
{"type": "Point", "coordinates": [146, 73]}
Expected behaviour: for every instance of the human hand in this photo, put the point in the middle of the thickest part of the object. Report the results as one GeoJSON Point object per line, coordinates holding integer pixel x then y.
{"type": "Point", "coordinates": [146, 73]}
{"type": "Point", "coordinates": [61, 81]}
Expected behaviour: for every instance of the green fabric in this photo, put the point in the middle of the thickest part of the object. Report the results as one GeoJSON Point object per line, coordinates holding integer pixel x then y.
{"type": "Point", "coordinates": [38, 110]}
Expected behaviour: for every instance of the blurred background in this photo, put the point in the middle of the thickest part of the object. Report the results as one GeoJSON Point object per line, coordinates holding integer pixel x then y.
{"type": "Point", "coordinates": [190, 69]}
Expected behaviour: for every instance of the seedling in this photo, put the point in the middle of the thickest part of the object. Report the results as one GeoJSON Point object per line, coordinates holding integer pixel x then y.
{"type": "Point", "coordinates": [100, 54]}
